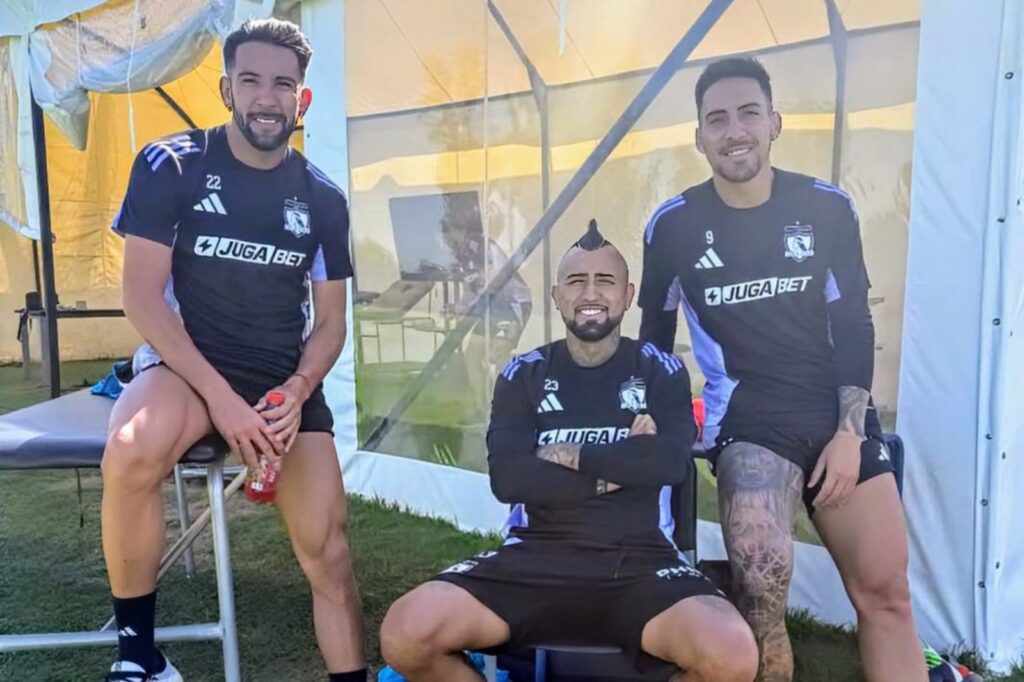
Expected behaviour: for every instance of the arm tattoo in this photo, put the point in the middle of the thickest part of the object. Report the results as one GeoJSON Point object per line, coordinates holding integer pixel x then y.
{"type": "Point", "coordinates": [758, 495]}
{"type": "Point", "coordinates": [568, 456]}
{"type": "Point", "coordinates": [853, 409]}
{"type": "Point", "coordinates": [562, 454]}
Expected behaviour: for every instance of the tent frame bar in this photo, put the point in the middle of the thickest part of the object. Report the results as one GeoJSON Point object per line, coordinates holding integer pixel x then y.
{"type": "Point", "coordinates": [643, 99]}
{"type": "Point", "coordinates": [173, 104]}
{"type": "Point", "coordinates": [540, 97]}
{"type": "Point", "coordinates": [840, 40]}
{"type": "Point", "coordinates": [51, 359]}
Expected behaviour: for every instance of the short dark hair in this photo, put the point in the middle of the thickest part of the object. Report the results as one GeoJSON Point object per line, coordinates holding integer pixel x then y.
{"type": "Point", "coordinates": [273, 32]}
{"type": "Point", "coordinates": [733, 67]}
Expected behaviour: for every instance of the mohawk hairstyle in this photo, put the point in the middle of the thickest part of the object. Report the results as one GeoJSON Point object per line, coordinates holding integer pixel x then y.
{"type": "Point", "coordinates": [593, 239]}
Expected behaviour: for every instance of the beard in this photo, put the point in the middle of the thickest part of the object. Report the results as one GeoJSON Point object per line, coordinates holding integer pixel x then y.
{"type": "Point", "coordinates": [592, 331]}
{"type": "Point", "coordinates": [265, 143]}
{"type": "Point", "coordinates": [740, 172]}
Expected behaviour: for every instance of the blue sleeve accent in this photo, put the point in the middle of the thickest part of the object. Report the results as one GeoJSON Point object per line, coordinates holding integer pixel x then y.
{"type": "Point", "coordinates": [318, 271]}
{"type": "Point", "coordinates": [332, 260]}
{"type": "Point", "coordinates": [674, 202]}
{"type": "Point", "coordinates": [657, 284]}
{"type": "Point", "coordinates": [852, 330]}
{"type": "Point", "coordinates": [823, 186]}
{"type": "Point", "coordinates": [513, 365]}
{"type": "Point", "coordinates": [832, 292]}
{"type": "Point", "coordinates": [157, 188]}
{"type": "Point", "coordinates": [718, 385]}
{"type": "Point", "coordinates": [669, 362]}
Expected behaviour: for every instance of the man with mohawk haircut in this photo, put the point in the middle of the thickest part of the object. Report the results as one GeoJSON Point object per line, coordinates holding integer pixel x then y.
{"type": "Point", "coordinates": [586, 434]}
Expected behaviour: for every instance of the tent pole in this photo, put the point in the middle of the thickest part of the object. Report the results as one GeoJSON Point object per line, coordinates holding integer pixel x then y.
{"type": "Point", "coordinates": [540, 98]}
{"type": "Point", "coordinates": [651, 89]}
{"type": "Point", "coordinates": [35, 265]}
{"type": "Point", "coordinates": [545, 198]}
{"type": "Point", "coordinates": [837, 32]}
{"type": "Point", "coordinates": [173, 104]}
{"type": "Point", "coordinates": [51, 361]}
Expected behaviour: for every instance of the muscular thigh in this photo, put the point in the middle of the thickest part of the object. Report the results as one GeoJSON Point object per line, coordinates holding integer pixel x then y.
{"type": "Point", "coordinates": [450, 616]}
{"type": "Point", "coordinates": [758, 494]}
{"type": "Point", "coordinates": [692, 629]}
{"type": "Point", "coordinates": [311, 494]}
{"type": "Point", "coordinates": [867, 537]}
{"type": "Point", "coordinates": [158, 412]}
{"type": "Point", "coordinates": [757, 487]}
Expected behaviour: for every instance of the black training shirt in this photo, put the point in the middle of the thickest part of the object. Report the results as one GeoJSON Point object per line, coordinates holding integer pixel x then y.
{"type": "Point", "coordinates": [775, 298]}
{"type": "Point", "coordinates": [544, 397]}
{"type": "Point", "coordinates": [246, 244]}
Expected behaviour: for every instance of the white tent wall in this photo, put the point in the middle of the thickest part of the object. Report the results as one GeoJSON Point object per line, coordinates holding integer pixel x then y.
{"type": "Point", "coordinates": [326, 145]}
{"type": "Point", "coordinates": [963, 361]}
{"type": "Point", "coordinates": [1001, 558]}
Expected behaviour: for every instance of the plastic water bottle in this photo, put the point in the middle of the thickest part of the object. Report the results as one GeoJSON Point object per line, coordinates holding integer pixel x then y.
{"type": "Point", "coordinates": [261, 483]}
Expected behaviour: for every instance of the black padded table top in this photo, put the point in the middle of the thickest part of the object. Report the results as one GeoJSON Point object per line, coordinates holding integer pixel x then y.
{"type": "Point", "coordinates": [71, 431]}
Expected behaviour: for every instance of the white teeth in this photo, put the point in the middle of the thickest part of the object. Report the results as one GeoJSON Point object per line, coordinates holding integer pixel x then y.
{"type": "Point", "coordinates": [591, 311]}
{"type": "Point", "coordinates": [737, 152]}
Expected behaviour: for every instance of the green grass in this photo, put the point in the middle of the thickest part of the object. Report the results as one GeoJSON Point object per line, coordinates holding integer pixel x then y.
{"type": "Point", "coordinates": [16, 391]}
{"type": "Point", "coordinates": [52, 577]}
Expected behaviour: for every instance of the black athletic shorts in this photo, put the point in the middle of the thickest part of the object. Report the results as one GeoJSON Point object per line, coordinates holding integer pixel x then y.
{"type": "Point", "coordinates": [316, 415]}
{"type": "Point", "coordinates": [548, 593]}
{"type": "Point", "coordinates": [803, 445]}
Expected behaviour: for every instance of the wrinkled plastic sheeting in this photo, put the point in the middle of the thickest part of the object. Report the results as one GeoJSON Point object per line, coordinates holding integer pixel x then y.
{"type": "Point", "coordinates": [21, 17]}
{"type": "Point", "coordinates": [12, 198]}
{"type": "Point", "coordinates": [123, 46]}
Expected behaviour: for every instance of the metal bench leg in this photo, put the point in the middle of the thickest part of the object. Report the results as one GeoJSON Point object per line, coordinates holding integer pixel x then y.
{"type": "Point", "coordinates": [26, 353]}
{"type": "Point", "coordinates": [183, 519]}
{"type": "Point", "coordinates": [225, 584]}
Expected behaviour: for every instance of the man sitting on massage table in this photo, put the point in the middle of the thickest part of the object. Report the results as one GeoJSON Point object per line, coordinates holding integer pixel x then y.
{"type": "Point", "coordinates": [227, 231]}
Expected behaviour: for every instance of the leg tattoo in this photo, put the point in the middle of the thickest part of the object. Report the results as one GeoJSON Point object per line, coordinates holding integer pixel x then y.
{"type": "Point", "coordinates": [758, 494]}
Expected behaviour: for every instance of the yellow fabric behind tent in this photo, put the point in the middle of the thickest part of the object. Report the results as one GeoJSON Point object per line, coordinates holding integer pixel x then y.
{"type": "Point", "coordinates": [86, 188]}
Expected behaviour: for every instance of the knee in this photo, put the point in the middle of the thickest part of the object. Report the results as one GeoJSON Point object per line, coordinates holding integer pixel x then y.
{"type": "Point", "coordinates": [733, 658]}
{"type": "Point", "coordinates": [762, 585]}
{"type": "Point", "coordinates": [409, 638]}
{"type": "Point", "coordinates": [328, 563]}
{"type": "Point", "coordinates": [134, 458]}
{"type": "Point", "coordinates": [881, 592]}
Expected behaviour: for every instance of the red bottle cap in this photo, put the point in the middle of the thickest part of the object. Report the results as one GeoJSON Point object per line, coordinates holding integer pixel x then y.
{"type": "Point", "coordinates": [275, 398]}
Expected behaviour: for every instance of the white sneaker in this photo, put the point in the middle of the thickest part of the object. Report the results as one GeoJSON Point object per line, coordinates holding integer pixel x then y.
{"type": "Point", "coordinates": [127, 671]}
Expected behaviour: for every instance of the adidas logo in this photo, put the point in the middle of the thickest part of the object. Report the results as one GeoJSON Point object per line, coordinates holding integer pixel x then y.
{"type": "Point", "coordinates": [709, 261]}
{"type": "Point", "coordinates": [210, 204]}
{"type": "Point", "coordinates": [550, 404]}
{"type": "Point", "coordinates": [127, 632]}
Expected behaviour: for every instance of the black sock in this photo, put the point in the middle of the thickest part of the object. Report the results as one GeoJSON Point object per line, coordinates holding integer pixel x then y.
{"type": "Point", "coordinates": [136, 618]}
{"type": "Point", "coordinates": [354, 676]}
